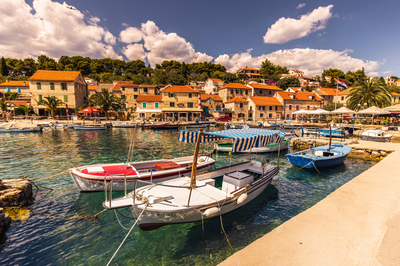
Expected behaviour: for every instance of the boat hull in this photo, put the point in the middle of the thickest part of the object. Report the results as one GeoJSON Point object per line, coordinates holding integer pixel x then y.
{"type": "Point", "coordinates": [80, 127]}
{"type": "Point", "coordinates": [268, 148]}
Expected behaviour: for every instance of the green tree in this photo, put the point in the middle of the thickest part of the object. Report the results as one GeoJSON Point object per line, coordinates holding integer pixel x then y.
{"type": "Point", "coordinates": [334, 73]}
{"type": "Point", "coordinates": [3, 105]}
{"type": "Point", "coordinates": [288, 82]}
{"type": "Point", "coordinates": [271, 71]}
{"type": "Point", "coordinates": [230, 78]}
{"type": "Point", "coordinates": [51, 103]}
{"type": "Point", "coordinates": [46, 63]}
{"type": "Point", "coordinates": [372, 92]}
{"type": "Point", "coordinates": [3, 67]}
{"type": "Point", "coordinates": [30, 66]}
{"type": "Point", "coordinates": [26, 109]}
{"type": "Point", "coordinates": [12, 95]}
{"type": "Point", "coordinates": [104, 100]}
{"type": "Point", "coordinates": [331, 107]}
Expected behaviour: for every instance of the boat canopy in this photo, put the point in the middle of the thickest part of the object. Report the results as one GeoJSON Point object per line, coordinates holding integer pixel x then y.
{"type": "Point", "coordinates": [243, 139]}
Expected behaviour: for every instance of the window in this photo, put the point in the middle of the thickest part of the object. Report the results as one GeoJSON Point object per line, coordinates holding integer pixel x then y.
{"type": "Point", "coordinates": [270, 108]}
{"type": "Point", "coordinates": [261, 115]}
{"type": "Point", "coordinates": [231, 91]}
{"type": "Point", "coordinates": [270, 92]}
{"type": "Point", "coordinates": [134, 89]}
{"type": "Point", "coordinates": [52, 86]}
{"type": "Point", "coordinates": [308, 107]}
{"type": "Point", "coordinates": [145, 90]}
{"type": "Point", "coordinates": [156, 105]}
{"type": "Point", "coordinates": [171, 95]}
{"type": "Point", "coordinates": [135, 97]}
{"type": "Point", "coordinates": [123, 97]}
{"type": "Point", "coordinates": [290, 107]}
{"type": "Point", "coordinates": [64, 86]}
{"type": "Point", "coordinates": [260, 91]}
{"type": "Point", "coordinates": [241, 91]}
{"type": "Point", "coordinates": [8, 89]}
{"type": "Point", "coordinates": [65, 98]}
{"type": "Point", "coordinates": [190, 105]}
{"type": "Point", "coordinates": [19, 90]}
{"type": "Point", "coordinates": [171, 104]}
{"type": "Point", "coordinates": [237, 91]}
{"type": "Point", "coordinates": [297, 107]}
{"type": "Point", "coordinates": [123, 88]}
{"type": "Point", "coordinates": [190, 95]}
{"type": "Point", "coordinates": [251, 108]}
{"type": "Point", "coordinates": [144, 105]}
{"type": "Point", "coordinates": [246, 92]}
{"type": "Point", "coordinates": [39, 97]}
{"type": "Point", "coordinates": [342, 98]}
{"type": "Point", "coordinates": [276, 108]}
{"type": "Point", "coordinates": [270, 115]}
{"type": "Point", "coordinates": [39, 85]}
{"type": "Point", "coordinates": [240, 105]}
{"type": "Point", "coordinates": [218, 108]}
{"type": "Point", "coordinates": [261, 108]}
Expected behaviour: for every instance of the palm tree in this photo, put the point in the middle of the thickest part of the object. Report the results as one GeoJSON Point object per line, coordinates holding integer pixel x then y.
{"type": "Point", "coordinates": [51, 103]}
{"type": "Point", "coordinates": [25, 108]}
{"type": "Point", "coordinates": [3, 105]}
{"type": "Point", "coordinates": [104, 100]}
{"type": "Point", "coordinates": [372, 92]}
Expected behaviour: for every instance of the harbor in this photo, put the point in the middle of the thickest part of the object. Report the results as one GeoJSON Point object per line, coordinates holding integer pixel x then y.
{"type": "Point", "coordinates": [63, 217]}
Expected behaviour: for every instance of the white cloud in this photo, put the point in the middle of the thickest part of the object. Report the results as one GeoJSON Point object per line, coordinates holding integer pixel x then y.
{"type": "Point", "coordinates": [286, 29]}
{"type": "Point", "coordinates": [125, 25]}
{"type": "Point", "coordinates": [134, 52]}
{"type": "Point", "coordinates": [388, 72]}
{"type": "Point", "coordinates": [311, 61]}
{"type": "Point", "coordinates": [300, 5]}
{"type": "Point", "coordinates": [159, 46]}
{"type": "Point", "coordinates": [34, 30]}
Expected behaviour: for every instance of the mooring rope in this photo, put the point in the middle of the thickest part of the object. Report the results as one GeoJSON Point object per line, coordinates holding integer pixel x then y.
{"type": "Point", "coordinates": [127, 235]}
{"type": "Point", "coordinates": [119, 220]}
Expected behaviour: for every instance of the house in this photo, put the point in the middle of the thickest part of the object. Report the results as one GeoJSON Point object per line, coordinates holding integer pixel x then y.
{"type": "Point", "coordinates": [296, 89]}
{"type": "Point", "coordinates": [149, 106]}
{"type": "Point", "coordinates": [395, 97]}
{"type": "Point", "coordinates": [397, 82]}
{"type": "Point", "coordinates": [129, 91]}
{"type": "Point", "coordinates": [211, 104]}
{"type": "Point", "coordinates": [295, 101]}
{"type": "Point", "coordinates": [91, 82]}
{"type": "Point", "coordinates": [389, 80]}
{"type": "Point", "coordinates": [212, 85]}
{"type": "Point", "coordinates": [67, 86]}
{"type": "Point", "coordinates": [180, 103]}
{"type": "Point", "coordinates": [295, 72]}
{"type": "Point", "coordinates": [238, 106]}
{"type": "Point", "coordinates": [327, 94]}
{"type": "Point", "coordinates": [233, 90]}
{"type": "Point", "coordinates": [251, 73]}
{"type": "Point", "coordinates": [264, 108]}
{"type": "Point", "coordinates": [21, 87]}
{"type": "Point", "coordinates": [263, 89]}
{"type": "Point", "coordinates": [92, 90]}
{"type": "Point", "coordinates": [304, 81]}
{"type": "Point", "coordinates": [342, 96]}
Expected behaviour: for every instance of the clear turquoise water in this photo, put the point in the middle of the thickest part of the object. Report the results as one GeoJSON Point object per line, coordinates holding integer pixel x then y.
{"type": "Point", "coordinates": [51, 237]}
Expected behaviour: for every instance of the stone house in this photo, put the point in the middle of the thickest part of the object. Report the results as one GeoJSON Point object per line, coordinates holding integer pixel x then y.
{"type": "Point", "coordinates": [21, 87]}
{"type": "Point", "coordinates": [238, 106]}
{"type": "Point", "coordinates": [395, 97]}
{"type": "Point", "coordinates": [342, 97]}
{"type": "Point", "coordinates": [295, 101]}
{"type": "Point", "coordinates": [233, 90]}
{"type": "Point", "coordinates": [263, 89]}
{"type": "Point", "coordinates": [68, 86]}
{"type": "Point", "coordinates": [149, 106]}
{"type": "Point", "coordinates": [264, 108]}
{"type": "Point", "coordinates": [397, 82]}
{"type": "Point", "coordinates": [327, 94]}
{"type": "Point", "coordinates": [180, 103]}
{"type": "Point", "coordinates": [212, 85]}
{"type": "Point", "coordinates": [389, 80]}
{"type": "Point", "coordinates": [211, 104]}
{"type": "Point", "coordinates": [92, 90]}
{"type": "Point", "coordinates": [251, 73]}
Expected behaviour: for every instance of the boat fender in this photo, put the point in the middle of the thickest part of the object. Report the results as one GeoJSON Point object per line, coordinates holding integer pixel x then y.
{"type": "Point", "coordinates": [211, 212]}
{"type": "Point", "coordinates": [275, 180]}
{"type": "Point", "coordinates": [242, 198]}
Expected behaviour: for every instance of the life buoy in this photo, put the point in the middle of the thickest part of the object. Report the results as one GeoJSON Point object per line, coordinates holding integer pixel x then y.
{"type": "Point", "coordinates": [242, 198]}
{"type": "Point", "coordinates": [211, 212]}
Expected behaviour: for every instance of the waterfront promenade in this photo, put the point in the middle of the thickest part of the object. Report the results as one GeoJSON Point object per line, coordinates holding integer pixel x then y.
{"type": "Point", "coordinates": [358, 224]}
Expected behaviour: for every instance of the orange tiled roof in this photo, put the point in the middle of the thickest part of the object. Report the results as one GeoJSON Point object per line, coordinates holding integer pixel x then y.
{"type": "Point", "coordinates": [300, 96]}
{"type": "Point", "coordinates": [296, 88]}
{"type": "Point", "coordinates": [125, 84]}
{"type": "Point", "coordinates": [234, 86]}
{"type": "Point", "coordinates": [345, 92]}
{"type": "Point", "coordinates": [265, 87]}
{"type": "Point", "coordinates": [18, 103]}
{"type": "Point", "coordinates": [395, 93]}
{"type": "Point", "coordinates": [259, 100]}
{"type": "Point", "coordinates": [14, 83]}
{"type": "Point", "coordinates": [92, 88]}
{"type": "Point", "coordinates": [215, 97]}
{"type": "Point", "coordinates": [147, 86]}
{"type": "Point", "coordinates": [330, 91]}
{"type": "Point", "coordinates": [180, 89]}
{"type": "Point", "coordinates": [217, 80]}
{"type": "Point", "coordinates": [251, 68]}
{"type": "Point", "coordinates": [51, 75]}
{"type": "Point", "coordinates": [237, 100]}
{"type": "Point", "coordinates": [149, 98]}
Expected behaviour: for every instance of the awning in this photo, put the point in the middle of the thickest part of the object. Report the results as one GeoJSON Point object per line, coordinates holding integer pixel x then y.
{"type": "Point", "coordinates": [177, 109]}
{"type": "Point", "coordinates": [243, 139]}
{"type": "Point", "coordinates": [139, 110]}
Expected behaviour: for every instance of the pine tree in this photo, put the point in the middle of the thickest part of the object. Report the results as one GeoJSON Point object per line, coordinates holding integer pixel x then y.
{"type": "Point", "coordinates": [3, 67]}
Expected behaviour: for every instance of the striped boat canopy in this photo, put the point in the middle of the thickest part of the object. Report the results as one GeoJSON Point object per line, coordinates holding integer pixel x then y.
{"type": "Point", "coordinates": [243, 139]}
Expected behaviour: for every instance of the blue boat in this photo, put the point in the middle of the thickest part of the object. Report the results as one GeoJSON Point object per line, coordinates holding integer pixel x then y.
{"type": "Point", "coordinates": [323, 156]}
{"type": "Point", "coordinates": [336, 133]}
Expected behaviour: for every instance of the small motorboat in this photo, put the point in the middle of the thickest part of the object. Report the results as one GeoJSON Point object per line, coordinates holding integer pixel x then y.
{"type": "Point", "coordinates": [124, 124]}
{"type": "Point", "coordinates": [90, 127]}
{"type": "Point", "coordinates": [376, 135]}
{"type": "Point", "coordinates": [323, 156]}
{"type": "Point", "coordinates": [335, 132]}
{"type": "Point", "coordinates": [17, 127]}
{"type": "Point", "coordinates": [90, 178]}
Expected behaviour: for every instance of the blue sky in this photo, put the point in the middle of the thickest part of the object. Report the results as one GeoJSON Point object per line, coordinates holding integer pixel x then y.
{"type": "Point", "coordinates": [306, 35]}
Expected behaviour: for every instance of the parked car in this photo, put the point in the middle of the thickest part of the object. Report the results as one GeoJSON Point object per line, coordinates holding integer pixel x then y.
{"type": "Point", "coordinates": [224, 119]}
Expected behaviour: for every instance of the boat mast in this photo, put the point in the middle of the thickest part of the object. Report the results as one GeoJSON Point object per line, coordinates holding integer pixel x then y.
{"type": "Point", "coordinates": [330, 135]}
{"type": "Point", "coordinates": [194, 165]}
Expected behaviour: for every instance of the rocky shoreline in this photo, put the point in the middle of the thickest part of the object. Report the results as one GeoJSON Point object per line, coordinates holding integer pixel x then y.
{"type": "Point", "coordinates": [13, 193]}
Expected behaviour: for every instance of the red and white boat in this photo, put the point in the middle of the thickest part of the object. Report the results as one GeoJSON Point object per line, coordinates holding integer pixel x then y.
{"type": "Point", "coordinates": [91, 178]}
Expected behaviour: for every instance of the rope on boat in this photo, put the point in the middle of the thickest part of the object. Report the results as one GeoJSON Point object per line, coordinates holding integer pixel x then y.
{"type": "Point", "coordinates": [119, 220]}
{"type": "Point", "coordinates": [127, 235]}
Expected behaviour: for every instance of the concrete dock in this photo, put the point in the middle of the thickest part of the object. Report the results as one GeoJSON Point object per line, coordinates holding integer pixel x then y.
{"type": "Point", "coordinates": [358, 224]}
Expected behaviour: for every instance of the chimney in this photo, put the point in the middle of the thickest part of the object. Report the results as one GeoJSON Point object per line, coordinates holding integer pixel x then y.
{"type": "Point", "coordinates": [24, 83]}
{"type": "Point", "coordinates": [294, 96]}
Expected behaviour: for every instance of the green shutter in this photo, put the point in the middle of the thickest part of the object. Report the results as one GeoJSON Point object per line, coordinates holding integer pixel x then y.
{"type": "Point", "coordinates": [65, 98]}
{"type": "Point", "coordinates": [52, 86]}
{"type": "Point", "coordinates": [39, 97]}
{"type": "Point", "coordinates": [246, 92]}
{"type": "Point", "coordinates": [144, 105]}
{"type": "Point", "coordinates": [155, 105]}
{"type": "Point", "coordinates": [39, 86]}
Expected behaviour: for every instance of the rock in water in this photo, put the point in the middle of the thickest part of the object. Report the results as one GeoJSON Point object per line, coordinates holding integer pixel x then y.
{"type": "Point", "coordinates": [15, 192]}
{"type": "Point", "coordinates": [4, 220]}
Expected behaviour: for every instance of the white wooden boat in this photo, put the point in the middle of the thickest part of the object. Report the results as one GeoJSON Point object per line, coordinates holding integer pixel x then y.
{"type": "Point", "coordinates": [90, 127]}
{"type": "Point", "coordinates": [272, 147]}
{"type": "Point", "coordinates": [124, 124]}
{"type": "Point", "coordinates": [92, 177]}
{"type": "Point", "coordinates": [376, 135]}
{"type": "Point", "coordinates": [20, 128]}
{"type": "Point", "coordinates": [61, 126]}
{"type": "Point", "coordinates": [200, 197]}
